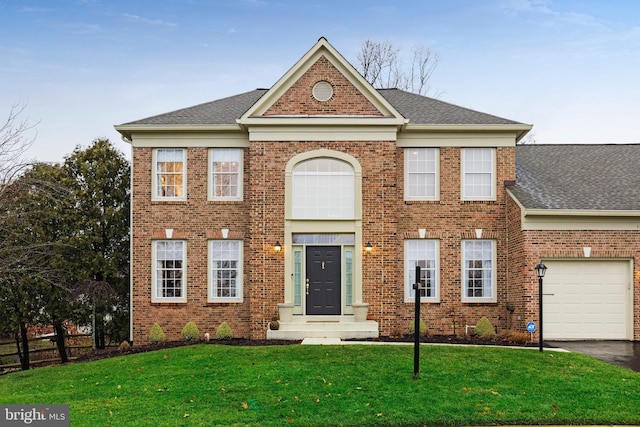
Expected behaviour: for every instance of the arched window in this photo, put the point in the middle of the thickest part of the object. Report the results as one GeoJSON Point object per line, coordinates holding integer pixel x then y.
{"type": "Point", "coordinates": [323, 188]}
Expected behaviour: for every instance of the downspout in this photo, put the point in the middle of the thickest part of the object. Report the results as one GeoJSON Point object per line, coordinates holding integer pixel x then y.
{"type": "Point", "coordinates": [128, 140]}
{"type": "Point", "coordinates": [506, 227]}
{"type": "Point", "coordinates": [131, 246]}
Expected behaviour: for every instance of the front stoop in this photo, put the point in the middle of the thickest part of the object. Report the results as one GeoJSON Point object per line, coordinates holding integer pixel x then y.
{"type": "Point", "coordinates": [343, 327]}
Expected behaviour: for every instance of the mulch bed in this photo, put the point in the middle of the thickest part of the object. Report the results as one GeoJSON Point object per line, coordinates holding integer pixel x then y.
{"type": "Point", "coordinates": [454, 339]}
{"type": "Point", "coordinates": [441, 339]}
{"type": "Point", "coordinates": [119, 351]}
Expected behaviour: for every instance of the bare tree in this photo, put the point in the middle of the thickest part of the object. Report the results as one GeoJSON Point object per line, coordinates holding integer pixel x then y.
{"type": "Point", "coordinates": [381, 64]}
{"type": "Point", "coordinates": [530, 139]}
{"type": "Point", "coordinates": [15, 139]}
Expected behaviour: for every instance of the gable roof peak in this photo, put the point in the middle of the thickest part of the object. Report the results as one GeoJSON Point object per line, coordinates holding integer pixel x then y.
{"type": "Point", "coordinates": [321, 49]}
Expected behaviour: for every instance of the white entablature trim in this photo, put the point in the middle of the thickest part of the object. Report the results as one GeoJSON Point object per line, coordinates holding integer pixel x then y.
{"type": "Point", "coordinates": [456, 139]}
{"type": "Point", "coordinates": [324, 133]}
{"type": "Point", "coordinates": [183, 140]}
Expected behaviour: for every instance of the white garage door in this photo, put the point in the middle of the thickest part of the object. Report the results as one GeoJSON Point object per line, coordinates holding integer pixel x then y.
{"type": "Point", "coordinates": [587, 300]}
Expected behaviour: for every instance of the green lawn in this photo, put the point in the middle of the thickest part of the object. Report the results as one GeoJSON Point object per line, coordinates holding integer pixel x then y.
{"type": "Point", "coordinates": [334, 385]}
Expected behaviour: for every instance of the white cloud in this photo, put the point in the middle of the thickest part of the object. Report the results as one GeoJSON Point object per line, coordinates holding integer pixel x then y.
{"type": "Point", "coordinates": [81, 28]}
{"type": "Point", "coordinates": [148, 21]}
{"type": "Point", "coordinates": [26, 9]}
{"type": "Point", "coordinates": [519, 6]}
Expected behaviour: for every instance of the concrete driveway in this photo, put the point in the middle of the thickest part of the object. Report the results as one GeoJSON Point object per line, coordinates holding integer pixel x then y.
{"type": "Point", "coordinates": [620, 353]}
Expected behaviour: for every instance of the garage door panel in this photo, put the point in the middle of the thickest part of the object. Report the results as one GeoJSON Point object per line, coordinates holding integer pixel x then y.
{"type": "Point", "coordinates": [587, 300]}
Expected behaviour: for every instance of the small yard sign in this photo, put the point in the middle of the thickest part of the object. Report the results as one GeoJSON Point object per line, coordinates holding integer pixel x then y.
{"type": "Point", "coordinates": [531, 327]}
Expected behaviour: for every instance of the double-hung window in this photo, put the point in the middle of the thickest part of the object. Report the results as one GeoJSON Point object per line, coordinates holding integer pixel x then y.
{"type": "Point", "coordinates": [423, 253]}
{"type": "Point", "coordinates": [225, 272]}
{"type": "Point", "coordinates": [478, 271]}
{"type": "Point", "coordinates": [225, 174]}
{"type": "Point", "coordinates": [169, 271]}
{"type": "Point", "coordinates": [169, 177]}
{"type": "Point", "coordinates": [421, 172]}
{"type": "Point", "coordinates": [478, 174]}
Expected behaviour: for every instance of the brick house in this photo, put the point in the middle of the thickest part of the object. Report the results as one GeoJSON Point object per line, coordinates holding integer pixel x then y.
{"type": "Point", "coordinates": [314, 200]}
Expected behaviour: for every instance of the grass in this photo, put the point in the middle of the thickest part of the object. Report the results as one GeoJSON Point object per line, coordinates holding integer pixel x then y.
{"type": "Point", "coordinates": [206, 384]}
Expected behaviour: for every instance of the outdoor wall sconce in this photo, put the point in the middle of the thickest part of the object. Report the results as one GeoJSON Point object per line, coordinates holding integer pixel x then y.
{"type": "Point", "coordinates": [368, 247]}
{"type": "Point", "coordinates": [277, 247]}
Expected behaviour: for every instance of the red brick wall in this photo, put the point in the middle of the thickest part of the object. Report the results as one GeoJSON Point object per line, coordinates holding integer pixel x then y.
{"type": "Point", "coordinates": [266, 188]}
{"type": "Point", "coordinates": [521, 285]}
{"type": "Point", "coordinates": [529, 247]}
{"type": "Point", "coordinates": [451, 220]}
{"type": "Point", "coordinates": [387, 221]}
{"type": "Point", "coordinates": [195, 220]}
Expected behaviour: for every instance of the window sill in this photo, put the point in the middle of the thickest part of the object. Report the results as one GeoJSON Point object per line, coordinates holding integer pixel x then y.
{"type": "Point", "coordinates": [225, 201]}
{"type": "Point", "coordinates": [423, 300]}
{"type": "Point", "coordinates": [421, 201]}
{"type": "Point", "coordinates": [479, 301]}
{"type": "Point", "coordinates": [225, 301]}
{"type": "Point", "coordinates": [169, 202]}
{"type": "Point", "coordinates": [166, 301]}
{"type": "Point", "coordinates": [466, 201]}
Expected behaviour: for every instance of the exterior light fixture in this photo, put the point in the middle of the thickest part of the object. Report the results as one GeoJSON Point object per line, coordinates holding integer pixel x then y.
{"type": "Point", "coordinates": [368, 247]}
{"type": "Point", "coordinates": [277, 247]}
{"type": "Point", "coordinates": [541, 269]}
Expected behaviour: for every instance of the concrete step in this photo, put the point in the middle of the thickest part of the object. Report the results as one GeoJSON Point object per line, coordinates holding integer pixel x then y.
{"type": "Point", "coordinates": [299, 330]}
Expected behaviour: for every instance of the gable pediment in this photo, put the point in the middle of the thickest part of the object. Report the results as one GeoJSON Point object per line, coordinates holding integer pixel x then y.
{"type": "Point", "coordinates": [323, 90]}
{"type": "Point", "coordinates": [322, 85]}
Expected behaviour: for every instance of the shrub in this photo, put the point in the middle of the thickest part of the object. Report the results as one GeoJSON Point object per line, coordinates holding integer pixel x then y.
{"type": "Point", "coordinates": [423, 327]}
{"type": "Point", "coordinates": [484, 328]}
{"type": "Point", "coordinates": [190, 332]}
{"type": "Point", "coordinates": [157, 334]}
{"type": "Point", "coordinates": [224, 332]}
{"type": "Point", "coordinates": [519, 338]}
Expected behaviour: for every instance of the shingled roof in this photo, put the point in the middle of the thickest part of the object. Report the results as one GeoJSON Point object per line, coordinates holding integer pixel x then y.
{"type": "Point", "coordinates": [223, 111]}
{"type": "Point", "coordinates": [578, 177]}
{"type": "Point", "coordinates": [417, 108]}
{"type": "Point", "coordinates": [429, 111]}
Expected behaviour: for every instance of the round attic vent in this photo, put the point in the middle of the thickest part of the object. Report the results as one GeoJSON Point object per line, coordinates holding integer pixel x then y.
{"type": "Point", "coordinates": [322, 91]}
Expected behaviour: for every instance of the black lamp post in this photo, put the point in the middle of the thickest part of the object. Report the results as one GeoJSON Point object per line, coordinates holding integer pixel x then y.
{"type": "Point", "coordinates": [540, 270]}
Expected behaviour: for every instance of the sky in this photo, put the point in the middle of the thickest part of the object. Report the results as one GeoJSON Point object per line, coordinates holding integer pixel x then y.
{"type": "Point", "coordinates": [571, 68]}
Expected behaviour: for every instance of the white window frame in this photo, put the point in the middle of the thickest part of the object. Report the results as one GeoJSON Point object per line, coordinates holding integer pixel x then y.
{"type": "Point", "coordinates": [435, 172]}
{"type": "Point", "coordinates": [239, 273]}
{"type": "Point", "coordinates": [468, 169]}
{"type": "Point", "coordinates": [240, 174]}
{"type": "Point", "coordinates": [156, 295]}
{"type": "Point", "coordinates": [432, 245]}
{"type": "Point", "coordinates": [155, 193]}
{"type": "Point", "coordinates": [466, 269]}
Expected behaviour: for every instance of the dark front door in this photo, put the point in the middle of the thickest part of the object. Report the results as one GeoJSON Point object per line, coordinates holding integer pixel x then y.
{"type": "Point", "coordinates": [323, 276]}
